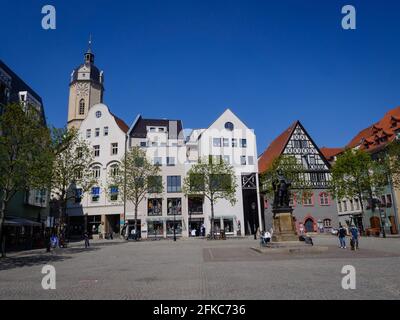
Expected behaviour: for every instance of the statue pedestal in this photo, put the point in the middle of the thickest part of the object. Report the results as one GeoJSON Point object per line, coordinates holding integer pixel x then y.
{"type": "Point", "coordinates": [284, 227]}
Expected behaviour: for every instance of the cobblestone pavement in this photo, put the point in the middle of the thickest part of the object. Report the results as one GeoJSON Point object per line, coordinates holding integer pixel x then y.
{"type": "Point", "coordinates": [201, 269]}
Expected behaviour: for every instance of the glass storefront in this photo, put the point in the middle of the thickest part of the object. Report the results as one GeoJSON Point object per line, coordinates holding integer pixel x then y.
{"type": "Point", "coordinates": [228, 225]}
{"type": "Point", "coordinates": [93, 224]}
{"type": "Point", "coordinates": [155, 229]}
{"type": "Point", "coordinates": [170, 227]}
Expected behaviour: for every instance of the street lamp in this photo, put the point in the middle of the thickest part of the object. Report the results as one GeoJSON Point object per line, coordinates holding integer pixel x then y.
{"type": "Point", "coordinates": [173, 208]}
{"type": "Point", "coordinates": [253, 207]}
{"type": "Point", "coordinates": [383, 219]}
{"type": "Point", "coordinates": [382, 214]}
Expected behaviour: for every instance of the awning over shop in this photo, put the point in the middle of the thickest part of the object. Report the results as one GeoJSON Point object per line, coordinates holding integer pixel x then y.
{"type": "Point", "coordinates": [18, 222]}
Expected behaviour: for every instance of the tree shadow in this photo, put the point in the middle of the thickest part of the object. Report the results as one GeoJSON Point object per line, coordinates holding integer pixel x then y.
{"type": "Point", "coordinates": [30, 260]}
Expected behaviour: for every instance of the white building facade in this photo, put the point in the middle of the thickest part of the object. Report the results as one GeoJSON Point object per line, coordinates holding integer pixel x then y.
{"type": "Point", "coordinates": [101, 209]}
{"type": "Point", "coordinates": [228, 139]}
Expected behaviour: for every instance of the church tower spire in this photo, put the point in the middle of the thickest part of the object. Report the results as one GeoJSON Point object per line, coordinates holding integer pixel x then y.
{"type": "Point", "coordinates": [89, 56]}
{"type": "Point", "coordinates": [85, 89]}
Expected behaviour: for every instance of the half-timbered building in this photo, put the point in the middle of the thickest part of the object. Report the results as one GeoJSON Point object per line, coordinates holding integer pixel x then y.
{"type": "Point", "coordinates": [315, 210]}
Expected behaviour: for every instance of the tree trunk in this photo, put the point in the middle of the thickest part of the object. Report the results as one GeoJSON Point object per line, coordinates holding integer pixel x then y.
{"type": "Point", "coordinates": [136, 212]}
{"type": "Point", "coordinates": [212, 218]}
{"type": "Point", "coordinates": [2, 234]}
{"type": "Point", "coordinates": [362, 208]}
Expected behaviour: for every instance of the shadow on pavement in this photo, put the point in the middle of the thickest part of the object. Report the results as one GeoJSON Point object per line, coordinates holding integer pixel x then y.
{"type": "Point", "coordinates": [29, 260]}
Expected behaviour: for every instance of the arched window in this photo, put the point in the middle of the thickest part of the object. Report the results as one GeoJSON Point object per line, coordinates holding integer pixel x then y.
{"type": "Point", "coordinates": [324, 199]}
{"type": "Point", "coordinates": [114, 170]}
{"type": "Point", "coordinates": [96, 172]}
{"type": "Point", "coordinates": [82, 107]}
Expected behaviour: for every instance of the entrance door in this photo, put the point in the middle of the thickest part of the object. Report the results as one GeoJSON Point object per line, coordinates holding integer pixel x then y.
{"type": "Point", "coordinates": [309, 225]}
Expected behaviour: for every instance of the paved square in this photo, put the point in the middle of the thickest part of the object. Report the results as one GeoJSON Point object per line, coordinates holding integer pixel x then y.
{"type": "Point", "coordinates": [201, 269]}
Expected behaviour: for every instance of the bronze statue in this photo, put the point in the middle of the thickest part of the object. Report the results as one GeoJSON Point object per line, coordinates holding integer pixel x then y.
{"type": "Point", "coordinates": [281, 187]}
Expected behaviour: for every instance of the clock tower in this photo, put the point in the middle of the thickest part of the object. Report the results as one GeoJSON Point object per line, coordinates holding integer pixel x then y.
{"type": "Point", "coordinates": [85, 90]}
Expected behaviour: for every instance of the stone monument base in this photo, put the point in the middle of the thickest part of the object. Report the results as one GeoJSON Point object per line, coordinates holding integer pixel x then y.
{"type": "Point", "coordinates": [284, 227]}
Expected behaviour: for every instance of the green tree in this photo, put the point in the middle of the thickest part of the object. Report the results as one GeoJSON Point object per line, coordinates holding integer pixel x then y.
{"type": "Point", "coordinates": [71, 169]}
{"type": "Point", "coordinates": [291, 169]}
{"type": "Point", "coordinates": [136, 178]}
{"type": "Point", "coordinates": [390, 159]}
{"type": "Point", "coordinates": [213, 179]}
{"type": "Point", "coordinates": [25, 155]}
{"type": "Point", "coordinates": [356, 175]}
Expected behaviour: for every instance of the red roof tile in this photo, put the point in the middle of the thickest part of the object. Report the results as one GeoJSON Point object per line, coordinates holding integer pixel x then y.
{"type": "Point", "coordinates": [275, 149]}
{"type": "Point", "coordinates": [329, 153]}
{"type": "Point", "coordinates": [121, 124]}
{"type": "Point", "coordinates": [382, 128]}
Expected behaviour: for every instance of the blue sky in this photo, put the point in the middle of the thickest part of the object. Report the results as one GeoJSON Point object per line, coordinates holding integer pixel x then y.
{"type": "Point", "coordinates": [271, 62]}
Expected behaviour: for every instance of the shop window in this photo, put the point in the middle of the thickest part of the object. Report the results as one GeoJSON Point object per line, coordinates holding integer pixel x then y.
{"type": "Point", "coordinates": [195, 205]}
{"type": "Point", "coordinates": [228, 225]}
{"type": "Point", "coordinates": [94, 223]}
{"type": "Point", "coordinates": [171, 225]}
{"type": "Point", "coordinates": [174, 206]}
{"type": "Point", "coordinates": [155, 228]}
{"type": "Point", "coordinates": [154, 207]}
{"type": "Point", "coordinates": [217, 225]}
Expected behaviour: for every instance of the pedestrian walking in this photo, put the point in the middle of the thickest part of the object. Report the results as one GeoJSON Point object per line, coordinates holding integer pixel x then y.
{"type": "Point", "coordinates": [354, 237]}
{"type": "Point", "coordinates": [342, 236]}
{"type": "Point", "coordinates": [86, 238]}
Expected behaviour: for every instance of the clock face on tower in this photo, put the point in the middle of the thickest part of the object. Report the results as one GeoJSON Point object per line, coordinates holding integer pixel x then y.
{"type": "Point", "coordinates": [82, 89]}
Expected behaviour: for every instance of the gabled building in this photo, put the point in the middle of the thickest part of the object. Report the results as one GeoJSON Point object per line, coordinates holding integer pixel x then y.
{"type": "Point", "coordinates": [315, 212]}
{"type": "Point", "coordinates": [166, 145]}
{"type": "Point", "coordinates": [230, 139]}
{"type": "Point", "coordinates": [103, 205]}
{"type": "Point", "coordinates": [374, 139]}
